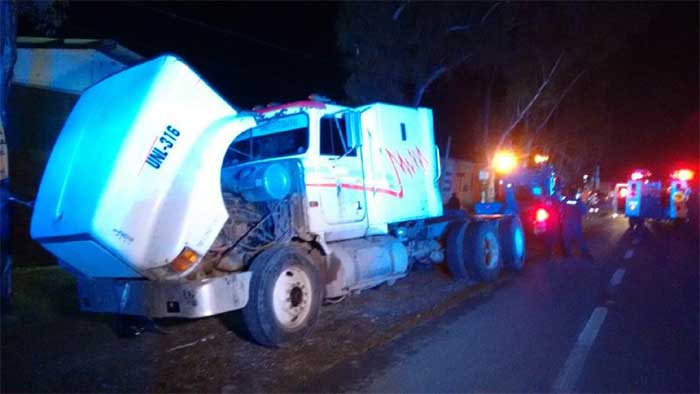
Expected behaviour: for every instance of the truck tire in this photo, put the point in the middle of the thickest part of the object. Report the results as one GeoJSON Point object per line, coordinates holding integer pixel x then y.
{"type": "Point", "coordinates": [284, 296]}
{"type": "Point", "coordinates": [456, 251]}
{"type": "Point", "coordinates": [484, 252]}
{"type": "Point", "coordinates": [636, 223]}
{"type": "Point", "coordinates": [512, 240]}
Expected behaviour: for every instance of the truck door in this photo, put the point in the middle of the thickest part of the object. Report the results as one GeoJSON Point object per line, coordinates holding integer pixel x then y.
{"type": "Point", "coordinates": [344, 201]}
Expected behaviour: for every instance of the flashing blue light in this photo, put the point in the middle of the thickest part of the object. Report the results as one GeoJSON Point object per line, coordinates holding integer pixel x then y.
{"type": "Point", "coordinates": [537, 191]}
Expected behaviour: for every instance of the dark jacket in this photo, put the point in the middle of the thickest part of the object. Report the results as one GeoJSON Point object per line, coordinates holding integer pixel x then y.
{"type": "Point", "coordinates": [453, 203]}
{"type": "Point", "coordinates": [572, 212]}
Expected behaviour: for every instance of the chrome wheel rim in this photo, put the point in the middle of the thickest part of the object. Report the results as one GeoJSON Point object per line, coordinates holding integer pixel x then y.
{"type": "Point", "coordinates": [292, 297]}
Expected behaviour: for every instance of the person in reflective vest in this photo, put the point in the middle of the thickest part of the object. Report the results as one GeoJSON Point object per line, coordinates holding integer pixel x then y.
{"type": "Point", "coordinates": [572, 212]}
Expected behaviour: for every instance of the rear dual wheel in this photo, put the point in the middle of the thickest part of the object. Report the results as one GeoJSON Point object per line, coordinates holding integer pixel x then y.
{"type": "Point", "coordinates": [512, 239]}
{"type": "Point", "coordinates": [473, 251]}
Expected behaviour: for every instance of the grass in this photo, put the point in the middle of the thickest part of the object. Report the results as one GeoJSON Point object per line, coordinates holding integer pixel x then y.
{"type": "Point", "coordinates": [42, 295]}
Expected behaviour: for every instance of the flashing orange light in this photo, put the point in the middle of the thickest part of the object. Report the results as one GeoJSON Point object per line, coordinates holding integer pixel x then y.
{"type": "Point", "coordinates": [184, 260]}
{"type": "Point", "coordinates": [541, 215]}
{"type": "Point", "coordinates": [504, 162]}
{"type": "Point", "coordinates": [684, 174]}
{"type": "Point", "coordinates": [541, 159]}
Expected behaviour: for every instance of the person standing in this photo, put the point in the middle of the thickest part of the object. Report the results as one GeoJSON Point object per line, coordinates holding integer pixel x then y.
{"type": "Point", "coordinates": [572, 212]}
{"type": "Point", "coordinates": [453, 202]}
{"type": "Point", "coordinates": [552, 234]}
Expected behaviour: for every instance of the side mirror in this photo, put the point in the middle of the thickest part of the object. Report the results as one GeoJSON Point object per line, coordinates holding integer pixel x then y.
{"type": "Point", "coordinates": [352, 122]}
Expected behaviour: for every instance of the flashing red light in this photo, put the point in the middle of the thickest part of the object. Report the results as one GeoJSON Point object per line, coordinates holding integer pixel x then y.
{"type": "Point", "coordinates": [683, 174]}
{"type": "Point", "coordinates": [623, 192]}
{"type": "Point", "coordinates": [541, 215]}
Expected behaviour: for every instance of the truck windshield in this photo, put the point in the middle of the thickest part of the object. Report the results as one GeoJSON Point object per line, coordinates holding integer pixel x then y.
{"type": "Point", "coordinates": [279, 137]}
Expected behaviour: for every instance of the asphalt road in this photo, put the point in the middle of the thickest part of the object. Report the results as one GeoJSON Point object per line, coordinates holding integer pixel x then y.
{"type": "Point", "coordinates": [626, 322]}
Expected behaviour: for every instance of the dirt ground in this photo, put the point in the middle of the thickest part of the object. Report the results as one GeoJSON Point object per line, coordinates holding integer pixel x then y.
{"type": "Point", "coordinates": [48, 345]}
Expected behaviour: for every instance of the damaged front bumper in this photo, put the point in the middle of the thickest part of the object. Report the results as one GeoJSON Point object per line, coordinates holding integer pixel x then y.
{"type": "Point", "coordinates": [157, 299]}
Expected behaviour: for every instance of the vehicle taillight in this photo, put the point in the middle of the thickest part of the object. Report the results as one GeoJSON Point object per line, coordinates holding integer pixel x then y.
{"type": "Point", "coordinates": [541, 215]}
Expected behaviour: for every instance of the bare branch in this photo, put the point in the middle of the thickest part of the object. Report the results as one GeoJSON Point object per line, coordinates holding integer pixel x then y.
{"type": "Point", "coordinates": [469, 26]}
{"type": "Point", "coordinates": [399, 10]}
{"type": "Point", "coordinates": [455, 28]}
{"type": "Point", "coordinates": [559, 100]}
{"type": "Point", "coordinates": [529, 105]}
{"type": "Point", "coordinates": [488, 13]}
{"type": "Point", "coordinates": [424, 86]}
{"type": "Point", "coordinates": [437, 73]}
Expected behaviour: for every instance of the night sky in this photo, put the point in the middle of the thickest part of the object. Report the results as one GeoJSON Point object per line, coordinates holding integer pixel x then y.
{"type": "Point", "coordinates": [257, 53]}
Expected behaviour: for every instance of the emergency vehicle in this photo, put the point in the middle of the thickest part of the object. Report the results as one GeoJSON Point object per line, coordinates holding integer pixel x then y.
{"type": "Point", "coordinates": [657, 200]}
{"type": "Point", "coordinates": [618, 199]}
{"type": "Point", "coordinates": [528, 189]}
{"type": "Point", "coordinates": [165, 201]}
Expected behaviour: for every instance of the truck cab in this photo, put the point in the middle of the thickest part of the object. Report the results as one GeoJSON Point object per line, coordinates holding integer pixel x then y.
{"type": "Point", "coordinates": [357, 162]}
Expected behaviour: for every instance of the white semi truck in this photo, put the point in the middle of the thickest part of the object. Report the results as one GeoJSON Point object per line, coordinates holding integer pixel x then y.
{"type": "Point", "coordinates": [164, 201]}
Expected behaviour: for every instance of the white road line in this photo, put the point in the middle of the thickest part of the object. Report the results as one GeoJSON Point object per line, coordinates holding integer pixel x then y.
{"type": "Point", "coordinates": [186, 345]}
{"type": "Point", "coordinates": [617, 277]}
{"type": "Point", "coordinates": [182, 346]}
{"type": "Point", "coordinates": [629, 253]}
{"type": "Point", "coordinates": [573, 366]}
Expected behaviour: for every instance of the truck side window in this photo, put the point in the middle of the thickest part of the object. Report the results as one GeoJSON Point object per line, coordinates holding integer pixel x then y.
{"type": "Point", "coordinates": [334, 137]}
{"type": "Point", "coordinates": [403, 131]}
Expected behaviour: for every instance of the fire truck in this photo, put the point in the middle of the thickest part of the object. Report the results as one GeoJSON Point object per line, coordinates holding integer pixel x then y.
{"type": "Point", "coordinates": [165, 201]}
{"type": "Point", "coordinates": [657, 200]}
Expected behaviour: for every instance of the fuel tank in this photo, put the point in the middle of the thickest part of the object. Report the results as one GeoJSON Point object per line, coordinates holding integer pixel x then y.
{"type": "Point", "coordinates": [363, 263]}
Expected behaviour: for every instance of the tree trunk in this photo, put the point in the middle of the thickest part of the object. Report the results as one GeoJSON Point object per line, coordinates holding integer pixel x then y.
{"type": "Point", "coordinates": [8, 56]}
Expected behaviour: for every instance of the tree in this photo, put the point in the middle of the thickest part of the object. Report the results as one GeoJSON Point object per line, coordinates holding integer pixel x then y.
{"type": "Point", "coordinates": [8, 55]}
{"type": "Point", "coordinates": [46, 16]}
{"type": "Point", "coordinates": [395, 52]}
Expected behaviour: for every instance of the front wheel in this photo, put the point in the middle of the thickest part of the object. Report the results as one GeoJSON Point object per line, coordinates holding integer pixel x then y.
{"type": "Point", "coordinates": [285, 296]}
